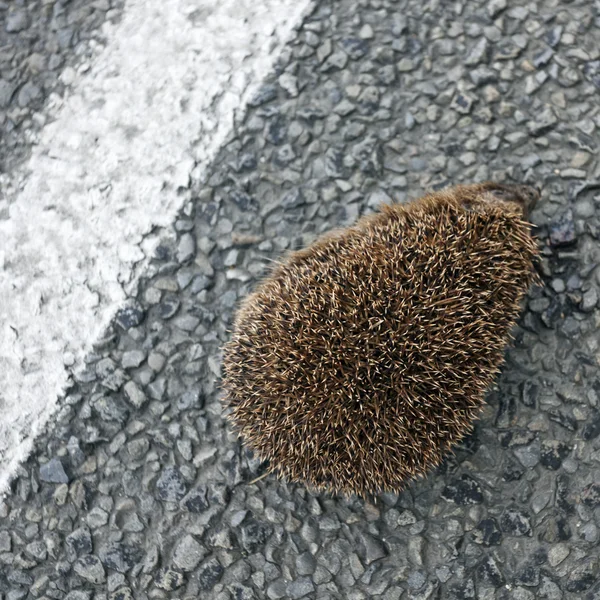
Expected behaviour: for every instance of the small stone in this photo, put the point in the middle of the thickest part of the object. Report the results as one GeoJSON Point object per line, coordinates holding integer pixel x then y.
{"type": "Point", "coordinates": [188, 554]}
{"type": "Point", "coordinates": [406, 517]}
{"type": "Point", "coordinates": [130, 316]}
{"type": "Point", "coordinates": [366, 32]}
{"type": "Point", "coordinates": [168, 309]}
{"type": "Point", "coordinates": [571, 329]}
{"type": "Point", "coordinates": [557, 554]}
{"type": "Point", "coordinates": [289, 83]}
{"type": "Point", "coordinates": [7, 90]}
{"type": "Point", "coordinates": [134, 394]}
{"type": "Point", "coordinates": [156, 361]}
{"type": "Point", "coordinates": [336, 61]}
{"type": "Point", "coordinates": [186, 248]}
{"type": "Point", "coordinates": [292, 199]}
{"type": "Point", "coordinates": [468, 158]}
{"type": "Point", "coordinates": [79, 595]}
{"type": "Point", "coordinates": [305, 564]}
{"type": "Point", "coordinates": [573, 174]}
{"type": "Point", "coordinates": [133, 359]}
{"type": "Point", "coordinates": [373, 549]}
{"type": "Point", "coordinates": [90, 568]}
{"type": "Point", "coordinates": [548, 590]}
{"type": "Point", "coordinates": [415, 550]}
{"type": "Point", "coordinates": [528, 575]}
{"type": "Point", "coordinates": [519, 12]}
{"type": "Point", "coordinates": [477, 53]}
{"type": "Point", "coordinates": [591, 430]}
{"type": "Point", "coordinates": [240, 592]}
{"type": "Point", "coordinates": [253, 535]}
{"type": "Point", "coordinates": [483, 75]}
{"type": "Point", "coordinates": [522, 594]}
{"type": "Point", "coordinates": [540, 500]}
{"type": "Point", "coordinates": [463, 591]}
{"type": "Point", "coordinates": [554, 35]}
{"type": "Point", "coordinates": [110, 375]}
{"type": "Point", "coordinates": [462, 103]}
{"type": "Point", "coordinates": [580, 159]}
{"type": "Point", "coordinates": [97, 518]}
{"type": "Point", "coordinates": [489, 571]}
{"type": "Point", "coordinates": [405, 65]}
{"type": "Point", "coordinates": [37, 550]}
{"type": "Point", "coordinates": [562, 230]}
{"type": "Point", "coordinates": [583, 576]}
{"type": "Point", "coordinates": [276, 131]}
{"type": "Point", "coordinates": [264, 94]}
{"type": "Point", "coordinates": [324, 50]}
{"type": "Point", "coordinates": [355, 48]}
{"type": "Point", "coordinates": [559, 99]}
{"type": "Point", "coordinates": [515, 522]}
{"type": "Point", "coordinates": [28, 93]}
{"type": "Point", "coordinates": [495, 7]}
{"type": "Point", "coordinates": [416, 580]}
{"type": "Point", "coordinates": [138, 448]}
{"type": "Point", "coordinates": [300, 588]}
{"type": "Point", "coordinates": [544, 122]}
{"type": "Point", "coordinates": [584, 208]}
{"type": "Point", "coordinates": [491, 94]}
{"type": "Point", "coordinates": [589, 532]}
{"type": "Point", "coordinates": [123, 593]}
{"type": "Point", "coordinates": [284, 155]}
{"type": "Point", "coordinates": [168, 579]}
{"type": "Point", "coordinates": [131, 522]}
{"type": "Point", "coordinates": [539, 305]}
{"type": "Point", "coordinates": [17, 20]}
{"type": "Point", "coordinates": [78, 543]}
{"type": "Point", "coordinates": [529, 455]}
{"type": "Point", "coordinates": [277, 590]}
{"type": "Point", "coordinates": [171, 486]}
{"type": "Point", "coordinates": [190, 399]}
{"type": "Point", "coordinates": [590, 495]}
{"type": "Point", "coordinates": [53, 472]}
{"type": "Point", "coordinates": [344, 108]}
{"type": "Point", "coordinates": [542, 58]}
{"type": "Point", "coordinates": [589, 300]}
{"type": "Point", "coordinates": [209, 574]}
{"type": "Point", "coordinates": [487, 532]}
{"type": "Point", "coordinates": [534, 82]}
{"type": "Point", "coordinates": [5, 541]}
{"type": "Point", "coordinates": [463, 491]}
{"type": "Point", "coordinates": [120, 557]}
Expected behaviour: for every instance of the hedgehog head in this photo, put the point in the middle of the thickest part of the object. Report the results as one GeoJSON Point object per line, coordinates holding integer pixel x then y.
{"type": "Point", "coordinates": [525, 197]}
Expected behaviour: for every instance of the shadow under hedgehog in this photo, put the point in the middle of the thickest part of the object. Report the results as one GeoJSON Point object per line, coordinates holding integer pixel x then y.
{"type": "Point", "coordinates": [361, 360]}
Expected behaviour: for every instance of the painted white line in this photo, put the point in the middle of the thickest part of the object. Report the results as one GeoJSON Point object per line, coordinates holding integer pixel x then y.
{"type": "Point", "coordinates": [159, 97]}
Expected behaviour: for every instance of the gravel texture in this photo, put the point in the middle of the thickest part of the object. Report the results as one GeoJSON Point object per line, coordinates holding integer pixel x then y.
{"type": "Point", "coordinates": [42, 45]}
{"type": "Point", "coordinates": [140, 492]}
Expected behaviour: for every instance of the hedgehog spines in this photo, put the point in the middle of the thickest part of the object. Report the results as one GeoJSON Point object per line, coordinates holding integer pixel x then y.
{"type": "Point", "coordinates": [360, 361]}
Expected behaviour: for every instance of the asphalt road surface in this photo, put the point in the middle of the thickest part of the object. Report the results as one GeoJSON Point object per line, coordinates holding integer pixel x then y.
{"type": "Point", "coordinates": [136, 489]}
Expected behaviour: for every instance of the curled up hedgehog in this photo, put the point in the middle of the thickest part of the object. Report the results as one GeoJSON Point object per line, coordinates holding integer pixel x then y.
{"type": "Point", "coordinates": [361, 360]}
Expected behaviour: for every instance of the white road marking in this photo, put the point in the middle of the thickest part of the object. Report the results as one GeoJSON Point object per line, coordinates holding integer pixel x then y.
{"type": "Point", "coordinates": [158, 98]}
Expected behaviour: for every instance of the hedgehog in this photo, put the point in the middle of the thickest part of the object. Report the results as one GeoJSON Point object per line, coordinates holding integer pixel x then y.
{"type": "Point", "coordinates": [363, 359]}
